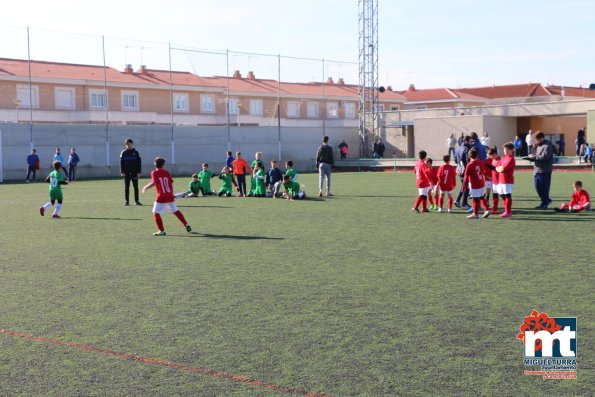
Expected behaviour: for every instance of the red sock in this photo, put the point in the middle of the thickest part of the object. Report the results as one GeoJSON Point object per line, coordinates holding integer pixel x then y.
{"type": "Point", "coordinates": [424, 204]}
{"type": "Point", "coordinates": [475, 206]}
{"type": "Point", "coordinates": [495, 202]}
{"type": "Point", "coordinates": [417, 202]}
{"type": "Point", "coordinates": [158, 221]}
{"type": "Point", "coordinates": [484, 203]}
{"type": "Point", "coordinates": [509, 205]}
{"type": "Point", "coordinates": [449, 202]}
{"type": "Point", "coordinates": [441, 198]}
{"type": "Point", "coordinates": [181, 217]}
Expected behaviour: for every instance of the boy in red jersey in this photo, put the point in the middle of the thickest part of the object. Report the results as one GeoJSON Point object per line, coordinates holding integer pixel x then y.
{"type": "Point", "coordinates": [165, 200]}
{"type": "Point", "coordinates": [493, 161]}
{"type": "Point", "coordinates": [422, 181]}
{"type": "Point", "coordinates": [433, 189]}
{"type": "Point", "coordinates": [475, 181]}
{"type": "Point", "coordinates": [580, 200]}
{"type": "Point", "coordinates": [506, 178]}
{"type": "Point", "coordinates": [446, 182]}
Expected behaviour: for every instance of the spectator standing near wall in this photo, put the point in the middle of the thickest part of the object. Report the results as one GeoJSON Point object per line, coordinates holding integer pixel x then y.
{"type": "Point", "coordinates": [32, 165]}
{"type": "Point", "coordinates": [325, 164]}
{"type": "Point", "coordinates": [343, 149]}
{"type": "Point", "coordinates": [543, 163]}
{"type": "Point", "coordinates": [561, 146]}
{"type": "Point", "coordinates": [518, 146]}
{"type": "Point", "coordinates": [451, 142]}
{"type": "Point", "coordinates": [530, 140]}
{"type": "Point", "coordinates": [462, 157]}
{"type": "Point", "coordinates": [73, 160]}
{"type": "Point", "coordinates": [59, 157]}
{"type": "Point", "coordinates": [580, 141]}
{"type": "Point", "coordinates": [130, 169]}
{"type": "Point", "coordinates": [486, 140]}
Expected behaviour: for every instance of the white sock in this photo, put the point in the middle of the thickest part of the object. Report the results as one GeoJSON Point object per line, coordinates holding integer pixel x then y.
{"type": "Point", "coordinates": [47, 205]}
{"type": "Point", "coordinates": [58, 206]}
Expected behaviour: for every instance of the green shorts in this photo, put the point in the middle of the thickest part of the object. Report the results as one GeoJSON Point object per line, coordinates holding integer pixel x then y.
{"type": "Point", "coordinates": [56, 195]}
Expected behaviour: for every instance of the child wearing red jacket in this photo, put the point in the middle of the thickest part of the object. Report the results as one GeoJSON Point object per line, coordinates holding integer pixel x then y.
{"type": "Point", "coordinates": [422, 181]}
{"type": "Point", "coordinates": [580, 200]}
{"type": "Point", "coordinates": [506, 178]}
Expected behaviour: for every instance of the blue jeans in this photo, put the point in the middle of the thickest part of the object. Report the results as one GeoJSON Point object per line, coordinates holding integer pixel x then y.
{"type": "Point", "coordinates": [542, 186]}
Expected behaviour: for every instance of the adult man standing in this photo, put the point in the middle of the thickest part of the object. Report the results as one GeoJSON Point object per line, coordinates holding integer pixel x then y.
{"type": "Point", "coordinates": [451, 142]}
{"type": "Point", "coordinates": [475, 142]}
{"type": "Point", "coordinates": [461, 157]}
{"type": "Point", "coordinates": [325, 164]}
{"type": "Point", "coordinates": [73, 160]}
{"type": "Point", "coordinates": [580, 141]}
{"type": "Point", "coordinates": [59, 157]}
{"type": "Point", "coordinates": [543, 162]}
{"type": "Point", "coordinates": [32, 165]}
{"type": "Point", "coordinates": [530, 140]}
{"type": "Point", "coordinates": [130, 169]}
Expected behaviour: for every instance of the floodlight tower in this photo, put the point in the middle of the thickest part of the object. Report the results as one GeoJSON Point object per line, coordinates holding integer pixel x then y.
{"type": "Point", "coordinates": [368, 73]}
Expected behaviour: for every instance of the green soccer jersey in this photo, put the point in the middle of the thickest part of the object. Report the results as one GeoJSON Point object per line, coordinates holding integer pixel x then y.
{"type": "Point", "coordinates": [293, 188]}
{"type": "Point", "coordinates": [205, 180]}
{"type": "Point", "coordinates": [55, 178]}
{"type": "Point", "coordinates": [259, 181]}
{"type": "Point", "coordinates": [292, 173]}
{"type": "Point", "coordinates": [227, 181]}
{"type": "Point", "coordinates": [193, 187]}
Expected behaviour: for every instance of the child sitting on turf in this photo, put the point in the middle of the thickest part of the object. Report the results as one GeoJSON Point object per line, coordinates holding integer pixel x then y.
{"type": "Point", "coordinates": [274, 175]}
{"type": "Point", "coordinates": [446, 182]}
{"type": "Point", "coordinates": [205, 180]}
{"type": "Point", "coordinates": [433, 189]}
{"type": "Point", "coordinates": [293, 176]}
{"type": "Point", "coordinates": [55, 179]}
{"type": "Point", "coordinates": [580, 200]}
{"type": "Point", "coordinates": [193, 188]}
{"type": "Point", "coordinates": [165, 200]}
{"type": "Point", "coordinates": [258, 177]}
{"type": "Point", "coordinates": [227, 177]}
{"type": "Point", "coordinates": [422, 182]}
{"type": "Point", "coordinates": [292, 189]}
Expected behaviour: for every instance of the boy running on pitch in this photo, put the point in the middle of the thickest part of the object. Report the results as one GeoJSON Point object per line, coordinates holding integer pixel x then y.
{"type": "Point", "coordinates": [55, 179]}
{"type": "Point", "coordinates": [474, 180]}
{"type": "Point", "coordinates": [447, 181]}
{"type": "Point", "coordinates": [165, 200]}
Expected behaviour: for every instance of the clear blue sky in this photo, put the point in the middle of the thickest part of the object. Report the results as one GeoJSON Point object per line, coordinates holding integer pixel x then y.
{"type": "Point", "coordinates": [431, 43]}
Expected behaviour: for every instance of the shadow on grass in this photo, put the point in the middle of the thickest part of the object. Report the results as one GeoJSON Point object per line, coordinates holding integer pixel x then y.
{"type": "Point", "coordinates": [102, 219]}
{"type": "Point", "coordinates": [370, 196]}
{"type": "Point", "coordinates": [229, 236]}
{"type": "Point", "coordinates": [563, 218]}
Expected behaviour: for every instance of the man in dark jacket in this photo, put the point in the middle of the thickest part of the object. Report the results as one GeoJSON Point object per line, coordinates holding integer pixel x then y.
{"type": "Point", "coordinates": [462, 157]}
{"type": "Point", "coordinates": [543, 163]}
{"type": "Point", "coordinates": [130, 169]}
{"type": "Point", "coordinates": [325, 164]}
{"type": "Point", "coordinates": [32, 165]}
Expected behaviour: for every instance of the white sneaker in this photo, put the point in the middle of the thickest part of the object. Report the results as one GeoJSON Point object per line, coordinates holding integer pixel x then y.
{"type": "Point", "coordinates": [448, 210]}
{"type": "Point", "coordinates": [439, 209]}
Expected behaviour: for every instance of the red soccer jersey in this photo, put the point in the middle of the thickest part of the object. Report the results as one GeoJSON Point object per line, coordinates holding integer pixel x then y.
{"type": "Point", "coordinates": [422, 178]}
{"type": "Point", "coordinates": [487, 172]}
{"type": "Point", "coordinates": [580, 198]}
{"type": "Point", "coordinates": [163, 183]}
{"type": "Point", "coordinates": [474, 175]}
{"type": "Point", "coordinates": [495, 163]}
{"type": "Point", "coordinates": [507, 175]}
{"type": "Point", "coordinates": [433, 175]}
{"type": "Point", "coordinates": [447, 177]}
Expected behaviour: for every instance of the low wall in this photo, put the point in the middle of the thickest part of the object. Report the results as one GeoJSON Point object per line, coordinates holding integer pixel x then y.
{"type": "Point", "coordinates": [99, 147]}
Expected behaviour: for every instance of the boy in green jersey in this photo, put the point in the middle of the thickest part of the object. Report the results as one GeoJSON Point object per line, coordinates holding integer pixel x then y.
{"type": "Point", "coordinates": [293, 176]}
{"type": "Point", "coordinates": [292, 189]}
{"type": "Point", "coordinates": [257, 158]}
{"type": "Point", "coordinates": [205, 180]}
{"type": "Point", "coordinates": [227, 179]}
{"type": "Point", "coordinates": [55, 179]}
{"type": "Point", "coordinates": [193, 188]}
{"type": "Point", "coordinates": [259, 180]}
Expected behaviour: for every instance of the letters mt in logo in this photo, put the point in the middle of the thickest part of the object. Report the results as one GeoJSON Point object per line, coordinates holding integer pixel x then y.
{"type": "Point", "coordinates": [545, 336]}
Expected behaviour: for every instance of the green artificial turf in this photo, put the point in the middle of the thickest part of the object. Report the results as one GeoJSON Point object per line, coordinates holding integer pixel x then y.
{"type": "Point", "coordinates": [353, 295]}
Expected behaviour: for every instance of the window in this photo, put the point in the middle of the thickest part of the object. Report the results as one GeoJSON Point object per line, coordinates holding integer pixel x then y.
{"type": "Point", "coordinates": [130, 100]}
{"type": "Point", "coordinates": [98, 99]}
{"type": "Point", "coordinates": [293, 109]}
{"type": "Point", "coordinates": [312, 109]}
{"type": "Point", "coordinates": [256, 107]}
{"type": "Point", "coordinates": [28, 98]}
{"type": "Point", "coordinates": [332, 110]}
{"type": "Point", "coordinates": [207, 104]}
{"type": "Point", "coordinates": [181, 103]}
{"type": "Point", "coordinates": [394, 108]}
{"type": "Point", "coordinates": [379, 108]}
{"type": "Point", "coordinates": [421, 107]}
{"type": "Point", "coordinates": [233, 106]}
{"type": "Point", "coordinates": [64, 97]}
{"type": "Point", "coordinates": [349, 110]}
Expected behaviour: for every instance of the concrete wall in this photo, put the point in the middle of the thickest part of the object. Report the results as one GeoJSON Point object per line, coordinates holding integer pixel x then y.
{"type": "Point", "coordinates": [193, 145]}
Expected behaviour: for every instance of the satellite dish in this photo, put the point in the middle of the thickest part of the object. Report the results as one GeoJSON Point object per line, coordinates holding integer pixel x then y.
{"type": "Point", "coordinates": [382, 89]}
{"type": "Point", "coordinates": [592, 86]}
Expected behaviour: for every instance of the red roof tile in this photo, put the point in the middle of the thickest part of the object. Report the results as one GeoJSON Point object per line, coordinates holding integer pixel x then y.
{"type": "Point", "coordinates": [583, 92]}
{"type": "Point", "coordinates": [508, 91]}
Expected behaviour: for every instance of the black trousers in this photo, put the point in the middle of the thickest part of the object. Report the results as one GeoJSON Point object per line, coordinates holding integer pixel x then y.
{"type": "Point", "coordinates": [127, 179]}
{"type": "Point", "coordinates": [242, 184]}
{"type": "Point", "coordinates": [31, 169]}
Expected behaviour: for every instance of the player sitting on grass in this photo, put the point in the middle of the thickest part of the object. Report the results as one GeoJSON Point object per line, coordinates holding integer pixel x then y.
{"type": "Point", "coordinates": [492, 162]}
{"type": "Point", "coordinates": [193, 188]}
{"type": "Point", "coordinates": [227, 179]}
{"type": "Point", "coordinates": [447, 181]}
{"type": "Point", "coordinates": [422, 181]}
{"type": "Point", "coordinates": [433, 189]}
{"type": "Point", "coordinates": [274, 175]}
{"type": "Point", "coordinates": [474, 180]}
{"type": "Point", "coordinates": [293, 176]}
{"type": "Point", "coordinates": [505, 171]}
{"type": "Point", "coordinates": [205, 180]}
{"type": "Point", "coordinates": [580, 200]}
{"type": "Point", "coordinates": [258, 178]}
{"type": "Point", "coordinates": [165, 200]}
{"type": "Point", "coordinates": [292, 189]}
{"type": "Point", "coordinates": [55, 179]}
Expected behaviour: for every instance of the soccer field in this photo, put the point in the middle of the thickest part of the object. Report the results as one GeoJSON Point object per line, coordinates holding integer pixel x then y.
{"type": "Point", "coordinates": [353, 295]}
